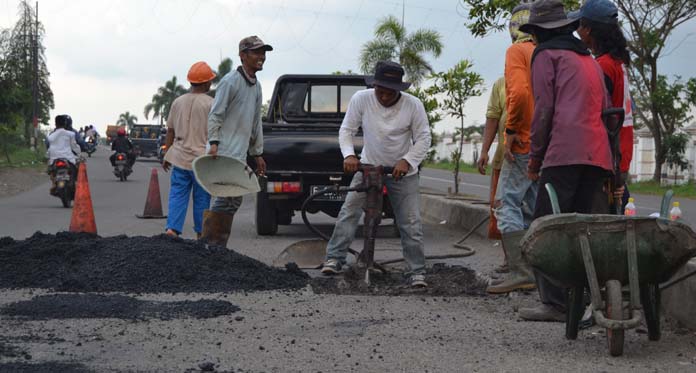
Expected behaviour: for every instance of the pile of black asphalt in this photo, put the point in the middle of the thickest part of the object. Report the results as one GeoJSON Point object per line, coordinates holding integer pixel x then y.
{"type": "Point", "coordinates": [86, 306]}
{"type": "Point", "coordinates": [80, 262]}
{"type": "Point", "coordinates": [442, 279]}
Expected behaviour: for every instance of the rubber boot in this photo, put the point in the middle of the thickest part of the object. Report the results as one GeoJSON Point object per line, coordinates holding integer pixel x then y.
{"type": "Point", "coordinates": [216, 228]}
{"type": "Point", "coordinates": [521, 276]}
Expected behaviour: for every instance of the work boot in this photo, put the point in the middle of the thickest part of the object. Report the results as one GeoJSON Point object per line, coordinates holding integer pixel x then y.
{"type": "Point", "coordinates": [521, 276]}
{"type": "Point", "coordinates": [216, 228]}
{"type": "Point", "coordinates": [543, 312]}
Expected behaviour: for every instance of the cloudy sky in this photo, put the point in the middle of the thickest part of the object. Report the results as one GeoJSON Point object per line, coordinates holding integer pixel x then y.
{"type": "Point", "coordinates": [110, 56]}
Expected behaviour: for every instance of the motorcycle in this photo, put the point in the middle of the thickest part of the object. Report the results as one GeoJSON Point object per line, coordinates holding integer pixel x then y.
{"type": "Point", "coordinates": [121, 168]}
{"type": "Point", "coordinates": [91, 146]}
{"type": "Point", "coordinates": [61, 173]}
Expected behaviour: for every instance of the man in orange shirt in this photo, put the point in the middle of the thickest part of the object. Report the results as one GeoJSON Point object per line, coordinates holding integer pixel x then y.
{"type": "Point", "coordinates": [518, 194]}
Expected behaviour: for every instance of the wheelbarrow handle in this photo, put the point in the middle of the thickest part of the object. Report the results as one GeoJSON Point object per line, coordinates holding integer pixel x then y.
{"type": "Point", "coordinates": [555, 207]}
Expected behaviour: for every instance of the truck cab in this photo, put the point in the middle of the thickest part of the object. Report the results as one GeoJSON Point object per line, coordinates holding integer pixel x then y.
{"type": "Point", "coordinates": [145, 138]}
{"type": "Point", "coordinates": [301, 147]}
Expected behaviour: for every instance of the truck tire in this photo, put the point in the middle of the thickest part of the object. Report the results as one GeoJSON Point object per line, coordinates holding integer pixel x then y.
{"type": "Point", "coordinates": [266, 219]}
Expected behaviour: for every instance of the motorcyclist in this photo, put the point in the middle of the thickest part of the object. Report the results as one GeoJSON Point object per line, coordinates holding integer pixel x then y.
{"type": "Point", "coordinates": [62, 144]}
{"type": "Point", "coordinates": [121, 144]}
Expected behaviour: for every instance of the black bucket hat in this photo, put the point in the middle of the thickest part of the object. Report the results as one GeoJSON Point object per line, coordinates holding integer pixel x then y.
{"type": "Point", "coordinates": [389, 75]}
{"type": "Point", "coordinates": [546, 14]}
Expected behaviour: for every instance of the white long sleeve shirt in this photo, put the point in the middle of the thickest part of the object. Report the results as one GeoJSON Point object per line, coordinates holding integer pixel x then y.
{"type": "Point", "coordinates": [62, 144]}
{"type": "Point", "coordinates": [390, 134]}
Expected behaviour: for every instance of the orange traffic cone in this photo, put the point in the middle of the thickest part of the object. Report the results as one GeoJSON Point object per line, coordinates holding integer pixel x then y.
{"type": "Point", "coordinates": [153, 203]}
{"type": "Point", "coordinates": [82, 219]}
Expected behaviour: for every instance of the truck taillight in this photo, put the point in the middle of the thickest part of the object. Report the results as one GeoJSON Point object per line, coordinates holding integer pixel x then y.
{"type": "Point", "coordinates": [284, 187]}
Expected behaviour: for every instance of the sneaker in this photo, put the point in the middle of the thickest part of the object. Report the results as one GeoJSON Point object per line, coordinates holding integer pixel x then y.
{"type": "Point", "coordinates": [331, 267]}
{"type": "Point", "coordinates": [418, 281]}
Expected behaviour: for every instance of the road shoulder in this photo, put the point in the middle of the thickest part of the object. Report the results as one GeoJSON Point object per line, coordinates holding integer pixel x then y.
{"type": "Point", "coordinates": [17, 180]}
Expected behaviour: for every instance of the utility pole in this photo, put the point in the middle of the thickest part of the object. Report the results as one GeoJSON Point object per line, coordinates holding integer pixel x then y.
{"type": "Point", "coordinates": [35, 85]}
{"type": "Point", "coordinates": [403, 12]}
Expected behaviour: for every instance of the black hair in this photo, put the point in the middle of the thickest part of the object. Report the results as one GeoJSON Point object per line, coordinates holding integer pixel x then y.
{"type": "Point", "coordinates": [543, 35]}
{"type": "Point", "coordinates": [608, 38]}
{"type": "Point", "coordinates": [199, 84]}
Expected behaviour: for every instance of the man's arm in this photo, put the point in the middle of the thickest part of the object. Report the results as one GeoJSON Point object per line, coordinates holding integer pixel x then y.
{"type": "Point", "coordinates": [349, 127]}
{"type": "Point", "coordinates": [420, 133]}
{"type": "Point", "coordinates": [256, 141]}
{"type": "Point", "coordinates": [543, 83]}
{"type": "Point", "coordinates": [216, 118]}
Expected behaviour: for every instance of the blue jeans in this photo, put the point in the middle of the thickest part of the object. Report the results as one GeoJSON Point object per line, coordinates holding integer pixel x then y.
{"type": "Point", "coordinates": [182, 182]}
{"type": "Point", "coordinates": [518, 195]}
{"type": "Point", "coordinates": [405, 200]}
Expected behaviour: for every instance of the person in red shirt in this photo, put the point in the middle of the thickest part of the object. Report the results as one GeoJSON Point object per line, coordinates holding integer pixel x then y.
{"type": "Point", "coordinates": [599, 29]}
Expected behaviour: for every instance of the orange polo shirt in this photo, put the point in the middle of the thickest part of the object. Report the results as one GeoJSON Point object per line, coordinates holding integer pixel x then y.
{"type": "Point", "coordinates": [519, 99]}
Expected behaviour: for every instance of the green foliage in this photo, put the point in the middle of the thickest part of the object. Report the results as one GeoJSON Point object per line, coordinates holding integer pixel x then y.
{"type": "Point", "coordinates": [162, 100]}
{"type": "Point", "coordinates": [652, 187]}
{"type": "Point", "coordinates": [127, 119]}
{"type": "Point", "coordinates": [492, 15]}
{"type": "Point", "coordinates": [453, 88]}
{"type": "Point", "coordinates": [445, 164]}
{"type": "Point", "coordinates": [392, 42]}
{"type": "Point", "coordinates": [224, 68]}
{"type": "Point", "coordinates": [675, 145]}
{"type": "Point", "coordinates": [349, 72]}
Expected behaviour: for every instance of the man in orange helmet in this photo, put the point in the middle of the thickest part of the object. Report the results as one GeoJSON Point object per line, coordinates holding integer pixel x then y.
{"type": "Point", "coordinates": [187, 136]}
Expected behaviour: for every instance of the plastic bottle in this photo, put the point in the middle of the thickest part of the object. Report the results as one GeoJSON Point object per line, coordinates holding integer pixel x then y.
{"type": "Point", "coordinates": [675, 213]}
{"type": "Point", "coordinates": [630, 208]}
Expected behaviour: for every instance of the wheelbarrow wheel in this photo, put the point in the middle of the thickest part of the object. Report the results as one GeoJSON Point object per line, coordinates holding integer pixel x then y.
{"type": "Point", "coordinates": [614, 310]}
{"type": "Point", "coordinates": [650, 298]}
{"type": "Point", "coordinates": [576, 301]}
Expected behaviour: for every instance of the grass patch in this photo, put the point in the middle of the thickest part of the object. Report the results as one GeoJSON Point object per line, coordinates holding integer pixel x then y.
{"type": "Point", "coordinates": [449, 166]}
{"type": "Point", "coordinates": [23, 158]}
{"type": "Point", "coordinates": [687, 190]}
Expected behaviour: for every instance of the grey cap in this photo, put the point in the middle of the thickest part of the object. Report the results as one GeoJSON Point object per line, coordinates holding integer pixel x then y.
{"type": "Point", "coordinates": [253, 42]}
{"type": "Point", "coordinates": [546, 14]}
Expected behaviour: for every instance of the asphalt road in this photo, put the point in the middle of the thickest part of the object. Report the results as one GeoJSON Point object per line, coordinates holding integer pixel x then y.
{"type": "Point", "coordinates": [302, 331]}
{"type": "Point", "coordinates": [477, 185]}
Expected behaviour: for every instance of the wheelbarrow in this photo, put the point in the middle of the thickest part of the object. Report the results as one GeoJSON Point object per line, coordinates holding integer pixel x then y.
{"type": "Point", "coordinates": [581, 251]}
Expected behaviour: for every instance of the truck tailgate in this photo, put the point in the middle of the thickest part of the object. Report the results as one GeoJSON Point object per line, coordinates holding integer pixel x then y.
{"type": "Point", "coordinates": [304, 151]}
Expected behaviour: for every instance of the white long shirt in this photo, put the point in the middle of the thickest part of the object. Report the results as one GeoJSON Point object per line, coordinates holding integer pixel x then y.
{"type": "Point", "coordinates": [390, 134]}
{"type": "Point", "coordinates": [62, 143]}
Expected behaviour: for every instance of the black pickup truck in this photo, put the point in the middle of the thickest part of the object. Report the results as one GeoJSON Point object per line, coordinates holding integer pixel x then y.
{"type": "Point", "coordinates": [301, 147]}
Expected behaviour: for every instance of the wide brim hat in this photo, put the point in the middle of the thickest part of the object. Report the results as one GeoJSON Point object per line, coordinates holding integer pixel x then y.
{"type": "Point", "coordinates": [224, 176]}
{"type": "Point", "coordinates": [547, 14]}
{"type": "Point", "coordinates": [389, 75]}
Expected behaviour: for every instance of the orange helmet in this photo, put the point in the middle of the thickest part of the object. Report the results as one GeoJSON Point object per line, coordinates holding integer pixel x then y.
{"type": "Point", "coordinates": [200, 72]}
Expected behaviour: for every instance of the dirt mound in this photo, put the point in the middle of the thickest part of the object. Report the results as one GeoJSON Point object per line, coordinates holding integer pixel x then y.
{"type": "Point", "coordinates": [79, 306]}
{"type": "Point", "coordinates": [49, 367]}
{"type": "Point", "coordinates": [81, 262]}
{"type": "Point", "coordinates": [442, 280]}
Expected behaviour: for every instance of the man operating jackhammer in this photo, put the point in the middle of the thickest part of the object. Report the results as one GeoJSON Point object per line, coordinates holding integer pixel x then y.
{"type": "Point", "coordinates": [234, 129]}
{"type": "Point", "coordinates": [395, 133]}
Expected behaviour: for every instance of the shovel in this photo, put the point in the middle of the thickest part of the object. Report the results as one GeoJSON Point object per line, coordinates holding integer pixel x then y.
{"type": "Point", "coordinates": [307, 254]}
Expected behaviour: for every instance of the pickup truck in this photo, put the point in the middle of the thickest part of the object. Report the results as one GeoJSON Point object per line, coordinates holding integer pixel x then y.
{"type": "Point", "coordinates": [144, 138]}
{"type": "Point", "coordinates": [301, 147]}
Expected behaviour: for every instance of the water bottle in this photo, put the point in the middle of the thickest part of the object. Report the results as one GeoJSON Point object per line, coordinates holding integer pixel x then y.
{"type": "Point", "coordinates": [630, 208]}
{"type": "Point", "coordinates": [675, 213]}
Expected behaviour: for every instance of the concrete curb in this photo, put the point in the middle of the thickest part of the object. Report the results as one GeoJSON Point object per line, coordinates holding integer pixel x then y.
{"type": "Point", "coordinates": [679, 301]}
{"type": "Point", "coordinates": [458, 214]}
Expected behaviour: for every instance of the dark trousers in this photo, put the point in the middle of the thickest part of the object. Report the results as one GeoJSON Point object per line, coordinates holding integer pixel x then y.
{"type": "Point", "coordinates": [580, 189]}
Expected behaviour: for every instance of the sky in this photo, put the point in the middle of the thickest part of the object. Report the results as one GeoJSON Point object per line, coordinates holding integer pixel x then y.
{"type": "Point", "coordinates": [106, 57]}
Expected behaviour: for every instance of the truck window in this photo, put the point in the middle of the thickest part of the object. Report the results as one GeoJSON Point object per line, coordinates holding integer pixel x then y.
{"type": "Point", "coordinates": [347, 91]}
{"type": "Point", "coordinates": [321, 99]}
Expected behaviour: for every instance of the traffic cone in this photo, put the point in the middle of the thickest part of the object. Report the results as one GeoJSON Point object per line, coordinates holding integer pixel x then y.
{"type": "Point", "coordinates": [82, 219]}
{"type": "Point", "coordinates": [153, 203]}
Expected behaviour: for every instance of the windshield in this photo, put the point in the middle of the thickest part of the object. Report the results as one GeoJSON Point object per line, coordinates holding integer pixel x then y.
{"type": "Point", "coordinates": [145, 132]}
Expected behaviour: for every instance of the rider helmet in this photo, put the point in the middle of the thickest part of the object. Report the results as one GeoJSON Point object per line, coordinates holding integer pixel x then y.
{"type": "Point", "coordinates": [121, 131]}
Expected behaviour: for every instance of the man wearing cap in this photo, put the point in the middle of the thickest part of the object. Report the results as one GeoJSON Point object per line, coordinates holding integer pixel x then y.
{"type": "Point", "coordinates": [235, 131]}
{"type": "Point", "coordinates": [518, 194]}
{"type": "Point", "coordinates": [395, 134]}
{"type": "Point", "coordinates": [570, 146]}
{"type": "Point", "coordinates": [187, 133]}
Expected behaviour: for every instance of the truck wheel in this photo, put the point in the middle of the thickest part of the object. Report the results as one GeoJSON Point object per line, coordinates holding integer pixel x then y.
{"type": "Point", "coordinates": [266, 220]}
{"type": "Point", "coordinates": [614, 311]}
{"type": "Point", "coordinates": [65, 197]}
{"type": "Point", "coordinates": [284, 217]}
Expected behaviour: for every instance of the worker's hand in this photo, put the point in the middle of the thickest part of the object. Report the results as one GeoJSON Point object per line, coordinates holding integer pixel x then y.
{"type": "Point", "coordinates": [532, 175]}
{"type": "Point", "coordinates": [351, 164]}
{"type": "Point", "coordinates": [165, 166]}
{"type": "Point", "coordinates": [400, 169]}
{"type": "Point", "coordinates": [260, 166]}
{"type": "Point", "coordinates": [619, 192]}
{"type": "Point", "coordinates": [509, 141]}
{"type": "Point", "coordinates": [482, 163]}
{"type": "Point", "coordinates": [213, 150]}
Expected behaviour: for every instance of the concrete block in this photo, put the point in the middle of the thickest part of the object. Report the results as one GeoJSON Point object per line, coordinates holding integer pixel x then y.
{"type": "Point", "coordinates": [458, 214]}
{"type": "Point", "coordinates": [679, 301]}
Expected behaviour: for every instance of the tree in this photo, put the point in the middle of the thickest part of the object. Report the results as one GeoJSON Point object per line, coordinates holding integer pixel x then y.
{"type": "Point", "coordinates": [393, 43]}
{"type": "Point", "coordinates": [457, 85]}
{"type": "Point", "coordinates": [127, 119]}
{"type": "Point", "coordinates": [675, 144]}
{"type": "Point", "coordinates": [649, 24]}
{"type": "Point", "coordinates": [23, 58]}
{"type": "Point", "coordinates": [432, 112]}
{"type": "Point", "coordinates": [163, 99]}
{"type": "Point", "coordinates": [224, 68]}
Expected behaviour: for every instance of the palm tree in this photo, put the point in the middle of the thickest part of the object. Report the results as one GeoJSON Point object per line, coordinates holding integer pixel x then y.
{"type": "Point", "coordinates": [392, 42]}
{"type": "Point", "coordinates": [163, 99]}
{"type": "Point", "coordinates": [127, 119]}
{"type": "Point", "coordinates": [224, 67]}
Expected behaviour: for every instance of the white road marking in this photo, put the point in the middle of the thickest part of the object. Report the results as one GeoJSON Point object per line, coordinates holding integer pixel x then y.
{"type": "Point", "coordinates": [450, 181]}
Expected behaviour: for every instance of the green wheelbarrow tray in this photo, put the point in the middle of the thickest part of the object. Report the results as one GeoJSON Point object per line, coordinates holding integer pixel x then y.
{"type": "Point", "coordinates": [552, 246]}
